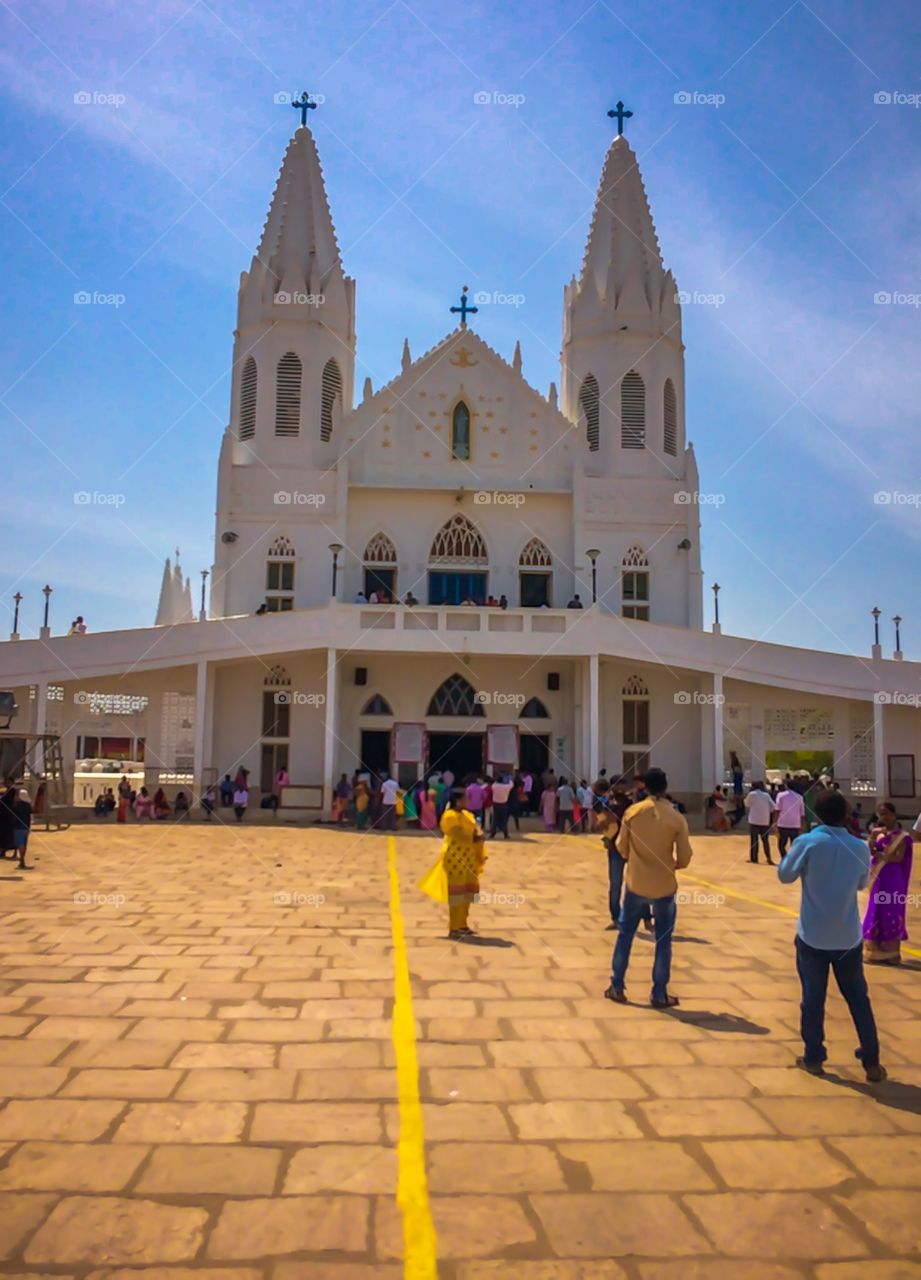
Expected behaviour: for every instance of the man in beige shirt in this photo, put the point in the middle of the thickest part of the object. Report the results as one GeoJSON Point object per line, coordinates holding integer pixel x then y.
{"type": "Point", "coordinates": [653, 841]}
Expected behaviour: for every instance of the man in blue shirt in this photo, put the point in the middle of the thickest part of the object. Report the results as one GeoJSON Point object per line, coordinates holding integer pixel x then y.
{"type": "Point", "coordinates": [832, 865]}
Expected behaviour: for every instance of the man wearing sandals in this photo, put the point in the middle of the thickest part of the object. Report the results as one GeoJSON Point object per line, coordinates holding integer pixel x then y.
{"type": "Point", "coordinates": [653, 841]}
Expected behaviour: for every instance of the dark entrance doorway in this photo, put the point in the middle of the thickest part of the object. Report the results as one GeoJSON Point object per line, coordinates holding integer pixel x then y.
{"type": "Point", "coordinates": [534, 589]}
{"type": "Point", "coordinates": [375, 750]}
{"type": "Point", "coordinates": [534, 749]}
{"type": "Point", "coordinates": [462, 753]}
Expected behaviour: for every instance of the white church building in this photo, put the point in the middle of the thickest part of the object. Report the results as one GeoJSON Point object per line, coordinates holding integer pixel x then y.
{"type": "Point", "coordinates": [457, 481]}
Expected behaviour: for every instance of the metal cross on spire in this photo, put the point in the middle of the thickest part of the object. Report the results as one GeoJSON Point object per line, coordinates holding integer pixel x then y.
{"type": "Point", "coordinates": [620, 115]}
{"type": "Point", "coordinates": [303, 105]}
{"type": "Point", "coordinates": [464, 309]}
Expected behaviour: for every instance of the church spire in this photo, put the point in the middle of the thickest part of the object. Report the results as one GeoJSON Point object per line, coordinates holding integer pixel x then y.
{"type": "Point", "coordinates": [622, 273]}
{"type": "Point", "coordinates": [297, 271]}
{"type": "Point", "coordinates": [165, 603]}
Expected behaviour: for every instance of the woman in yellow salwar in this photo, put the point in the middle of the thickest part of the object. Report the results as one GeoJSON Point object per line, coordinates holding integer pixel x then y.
{"type": "Point", "coordinates": [455, 877]}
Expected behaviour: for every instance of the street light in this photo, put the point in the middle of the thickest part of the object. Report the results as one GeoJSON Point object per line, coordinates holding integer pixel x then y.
{"type": "Point", "coordinates": [204, 577]}
{"type": "Point", "coordinates": [716, 603]}
{"type": "Point", "coordinates": [335, 548]}
{"type": "Point", "coordinates": [593, 553]}
{"type": "Point", "coordinates": [898, 642]}
{"type": "Point", "coordinates": [18, 599]}
{"type": "Point", "coordinates": [876, 614]}
{"type": "Point", "coordinates": [46, 592]}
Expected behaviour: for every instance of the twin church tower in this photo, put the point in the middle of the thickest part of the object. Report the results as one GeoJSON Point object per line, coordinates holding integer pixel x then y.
{"type": "Point", "coordinates": [303, 462]}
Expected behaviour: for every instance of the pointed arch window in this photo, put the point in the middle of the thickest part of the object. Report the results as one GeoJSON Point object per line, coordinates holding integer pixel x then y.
{"type": "Point", "coordinates": [330, 398]}
{"type": "Point", "coordinates": [248, 385]}
{"type": "Point", "coordinates": [380, 564]}
{"type": "Point", "coordinates": [457, 564]}
{"type": "Point", "coordinates": [460, 432]}
{"type": "Point", "coordinates": [632, 411]}
{"type": "Point", "coordinates": [635, 585]}
{"type": "Point", "coordinates": [288, 395]}
{"type": "Point", "coordinates": [534, 709]}
{"type": "Point", "coordinates": [380, 550]}
{"type": "Point", "coordinates": [669, 419]}
{"type": "Point", "coordinates": [535, 576]}
{"type": "Point", "coordinates": [535, 555]}
{"type": "Point", "coordinates": [279, 576]}
{"type": "Point", "coordinates": [377, 706]}
{"type": "Point", "coordinates": [276, 705]}
{"type": "Point", "coordinates": [455, 697]}
{"type": "Point", "coordinates": [590, 409]}
{"type": "Point", "coordinates": [635, 726]}
{"type": "Point", "coordinates": [458, 541]}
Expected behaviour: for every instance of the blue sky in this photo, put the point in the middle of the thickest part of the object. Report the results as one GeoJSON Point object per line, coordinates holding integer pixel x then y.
{"type": "Point", "coordinates": [794, 199]}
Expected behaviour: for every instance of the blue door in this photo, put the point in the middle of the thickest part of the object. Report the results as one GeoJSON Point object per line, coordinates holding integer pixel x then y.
{"type": "Point", "coordinates": [453, 587]}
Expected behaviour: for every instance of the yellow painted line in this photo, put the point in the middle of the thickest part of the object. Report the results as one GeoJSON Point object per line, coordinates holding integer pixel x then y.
{"type": "Point", "coordinates": [420, 1256]}
{"type": "Point", "coordinates": [742, 897]}
{"type": "Point", "coordinates": [762, 902]}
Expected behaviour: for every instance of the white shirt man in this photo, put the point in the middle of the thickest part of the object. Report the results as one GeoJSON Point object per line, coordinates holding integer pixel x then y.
{"type": "Point", "coordinates": [791, 811]}
{"type": "Point", "coordinates": [761, 810]}
{"type": "Point", "coordinates": [389, 791]}
{"type": "Point", "coordinates": [501, 792]}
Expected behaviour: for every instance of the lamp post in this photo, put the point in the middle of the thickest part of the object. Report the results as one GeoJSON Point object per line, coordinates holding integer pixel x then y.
{"type": "Point", "coordinates": [335, 548]}
{"type": "Point", "coordinates": [876, 614]}
{"type": "Point", "coordinates": [593, 553]}
{"type": "Point", "coordinates": [202, 616]}
{"type": "Point", "coordinates": [46, 592]}
{"type": "Point", "coordinates": [898, 638]}
{"type": "Point", "coordinates": [17, 598]}
{"type": "Point", "coordinates": [716, 607]}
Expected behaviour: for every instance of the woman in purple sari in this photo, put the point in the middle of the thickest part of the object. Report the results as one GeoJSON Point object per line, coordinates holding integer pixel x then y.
{"type": "Point", "coordinates": [884, 928]}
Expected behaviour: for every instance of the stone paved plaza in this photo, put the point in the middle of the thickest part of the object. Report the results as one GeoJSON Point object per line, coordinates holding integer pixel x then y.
{"type": "Point", "coordinates": [199, 1072]}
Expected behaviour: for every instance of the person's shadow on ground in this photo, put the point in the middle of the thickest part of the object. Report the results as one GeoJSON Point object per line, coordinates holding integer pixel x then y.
{"type": "Point", "coordinates": [710, 1021]}
{"type": "Point", "coordinates": [479, 940]}
{"type": "Point", "coordinates": [889, 1093]}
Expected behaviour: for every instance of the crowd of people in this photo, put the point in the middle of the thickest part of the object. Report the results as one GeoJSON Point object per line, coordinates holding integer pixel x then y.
{"type": "Point", "coordinates": [645, 834]}
{"type": "Point", "coordinates": [497, 799]}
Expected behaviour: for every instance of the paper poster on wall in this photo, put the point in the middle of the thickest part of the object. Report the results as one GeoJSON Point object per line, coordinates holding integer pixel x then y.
{"type": "Point", "coordinates": [408, 743]}
{"type": "Point", "coordinates": [502, 744]}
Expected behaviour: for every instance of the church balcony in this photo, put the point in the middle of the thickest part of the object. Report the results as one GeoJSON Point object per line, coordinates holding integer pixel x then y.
{"type": "Point", "coordinates": [532, 633]}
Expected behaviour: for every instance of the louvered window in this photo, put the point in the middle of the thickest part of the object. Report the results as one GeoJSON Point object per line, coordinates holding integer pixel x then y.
{"type": "Point", "coordinates": [670, 419]}
{"type": "Point", "coordinates": [248, 400]}
{"type": "Point", "coordinates": [288, 396]}
{"type": "Point", "coordinates": [632, 412]}
{"type": "Point", "coordinates": [331, 391]}
{"type": "Point", "coordinates": [589, 407]}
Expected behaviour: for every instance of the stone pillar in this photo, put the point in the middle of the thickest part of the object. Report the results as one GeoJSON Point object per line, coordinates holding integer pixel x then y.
{"type": "Point", "coordinates": [330, 728]}
{"type": "Point", "coordinates": [879, 749]}
{"type": "Point", "coordinates": [711, 734]}
{"type": "Point", "coordinates": [40, 722]}
{"type": "Point", "coordinates": [580, 719]}
{"type": "Point", "coordinates": [594, 714]}
{"type": "Point", "coordinates": [204, 725]}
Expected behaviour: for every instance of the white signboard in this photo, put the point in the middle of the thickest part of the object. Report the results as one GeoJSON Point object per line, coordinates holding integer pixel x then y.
{"type": "Point", "coordinates": [408, 743]}
{"type": "Point", "coordinates": [502, 744]}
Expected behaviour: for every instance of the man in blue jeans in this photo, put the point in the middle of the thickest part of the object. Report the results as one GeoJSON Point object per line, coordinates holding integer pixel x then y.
{"type": "Point", "coordinates": [832, 865]}
{"type": "Point", "coordinates": [653, 841]}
